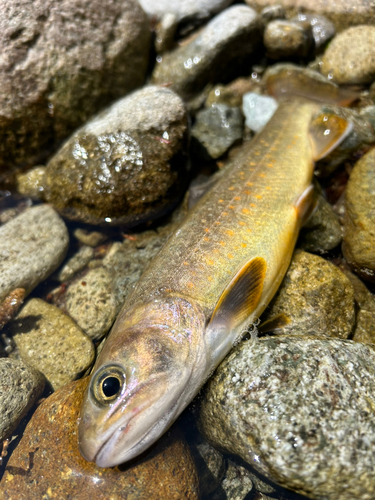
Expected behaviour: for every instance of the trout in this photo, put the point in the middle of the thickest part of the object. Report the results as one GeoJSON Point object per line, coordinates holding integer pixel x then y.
{"type": "Point", "coordinates": [208, 284]}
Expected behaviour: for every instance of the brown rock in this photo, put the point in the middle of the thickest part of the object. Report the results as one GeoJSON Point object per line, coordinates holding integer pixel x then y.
{"type": "Point", "coordinates": [47, 462]}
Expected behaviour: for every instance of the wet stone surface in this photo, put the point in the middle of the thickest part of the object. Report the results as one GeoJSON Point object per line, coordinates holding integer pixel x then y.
{"type": "Point", "coordinates": [252, 407]}
{"type": "Point", "coordinates": [258, 110]}
{"type": "Point", "coordinates": [77, 262]}
{"type": "Point", "coordinates": [237, 482]}
{"type": "Point", "coordinates": [47, 461]}
{"type": "Point", "coordinates": [322, 29]}
{"type": "Point", "coordinates": [284, 39]}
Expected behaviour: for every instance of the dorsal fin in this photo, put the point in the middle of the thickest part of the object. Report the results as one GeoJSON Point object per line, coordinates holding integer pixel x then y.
{"type": "Point", "coordinates": [326, 132]}
{"type": "Point", "coordinates": [241, 296]}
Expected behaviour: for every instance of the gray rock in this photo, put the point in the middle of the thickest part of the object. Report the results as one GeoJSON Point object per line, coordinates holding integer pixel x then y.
{"type": "Point", "coordinates": [225, 43]}
{"type": "Point", "coordinates": [284, 39]}
{"type": "Point", "coordinates": [216, 129]}
{"type": "Point", "coordinates": [350, 57]}
{"type": "Point", "coordinates": [237, 482]}
{"type": "Point", "coordinates": [258, 110]}
{"type": "Point", "coordinates": [31, 183]}
{"type": "Point", "coordinates": [231, 94]}
{"type": "Point", "coordinates": [62, 61]}
{"type": "Point", "coordinates": [211, 466]}
{"type": "Point", "coordinates": [322, 29]}
{"type": "Point", "coordinates": [316, 296]}
{"type": "Point", "coordinates": [300, 411]}
{"type": "Point", "coordinates": [20, 388]}
{"type": "Point", "coordinates": [184, 10]}
{"type": "Point", "coordinates": [77, 262]}
{"type": "Point", "coordinates": [125, 166]}
{"type": "Point", "coordinates": [48, 340]}
{"type": "Point", "coordinates": [272, 12]}
{"type": "Point", "coordinates": [91, 302]}
{"type": "Point", "coordinates": [165, 31]}
{"type": "Point", "coordinates": [359, 222]}
{"type": "Point", "coordinates": [32, 246]}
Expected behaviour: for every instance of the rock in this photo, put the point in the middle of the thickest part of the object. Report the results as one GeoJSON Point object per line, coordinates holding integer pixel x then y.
{"type": "Point", "coordinates": [20, 388]}
{"type": "Point", "coordinates": [62, 61]}
{"type": "Point", "coordinates": [300, 411]}
{"type": "Point", "coordinates": [258, 110]}
{"type": "Point", "coordinates": [126, 165]}
{"type": "Point", "coordinates": [211, 466]}
{"type": "Point", "coordinates": [237, 482]}
{"type": "Point", "coordinates": [359, 224]}
{"type": "Point", "coordinates": [231, 94]}
{"type": "Point", "coordinates": [90, 300]}
{"type": "Point", "coordinates": [188, 10]}
{"type": "Point", "coordinates": [32, 246]}
{"type": "Point", "coordinates": [52, 466]}
{"type": "Point", "coordinates": [272, 12]}
{"type": "Point", "coordinates": [10, 305]}
{"type": "Point", "coordinates": [322, 29]}
{"type": "Point", "coordinates": [77, 262]}
{"type": "Point", "coordinates": [31, 182]}
{"type": "Point", "coordinates": [165, 31]}
{"type": "Point", "coordinates": [316, 296]}
{"type": "Point", "coordinates": [284, 39]}
{"type": "Point", "coordinates": [322, 231]}
{"type": "Point", "coordinates": [350, 57]}
{"type": "Point", "coordinates": [90, 238]}
{"type": "Point", "coordinates": [216, 129]}
{"type": "Point", "coordinates": [220, 48]}
{"type": "Point", "coordinates": [48, 340]}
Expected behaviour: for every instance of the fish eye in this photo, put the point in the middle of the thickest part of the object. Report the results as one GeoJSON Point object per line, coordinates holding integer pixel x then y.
{"type": "Point", "coordinates": [107, 384]}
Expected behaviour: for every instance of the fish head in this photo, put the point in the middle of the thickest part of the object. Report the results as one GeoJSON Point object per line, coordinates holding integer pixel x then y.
{"type": "Point", "coordinates": [137, 385]}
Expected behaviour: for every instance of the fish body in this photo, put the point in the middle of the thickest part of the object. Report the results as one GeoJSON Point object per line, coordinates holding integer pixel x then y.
{"type": "Point", "coordinates": [212, 279]}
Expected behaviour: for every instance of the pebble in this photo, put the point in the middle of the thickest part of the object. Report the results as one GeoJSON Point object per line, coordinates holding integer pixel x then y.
{"type": "Point", "coordinates": [126, 165]}
{"type": "Point", "coordinates": [216, 129]}
{"type": "Point", "coordinates": [359, 223]}
{"type": "Point", "coordinates": [77, 262]}
{"type": "Point", "coordinates": [258, 110]}
{"type": "Point", "coordinates": [20, 388]}
{"type": "Point", "coordinates": [165, 32]}
{"type": "Point", "coordinates": [231, 94]}
{"type": "Point", "coordinates": [237, 483]}
{"type": "Point", "coordinates": [233, 35]}
{"type": "Point", "coordinates": [47, 462]}
{"type": "Point", "coordinates": [285, 39]}
{"type": "Point", "coordinates": [32, 246]}
{"type": "Point", "coordinates": [316, 296]}
{"type": "Point", "coordinates": [31, 182]}
{"type": "Point", "coordinates": [10, 305]}
{"type": "Point", "coordinates": [350, 57]}
{"type": "Point", "coordinates": [211, 466]}
{"type": "Point", "coordinates": [50, 341]}
{"type": "Point", "coordinates": [322, 29]}
{"type": "Point", "coordinates": [62, 61]}
{"type": "Point", "coordinates": [272, 12]}
{"type": "Point", "coordinates": [300, 411]}
{"type": "Point", "coordinates": [198, 10]}
{"type": "Point", "coordinates": [90, 238]}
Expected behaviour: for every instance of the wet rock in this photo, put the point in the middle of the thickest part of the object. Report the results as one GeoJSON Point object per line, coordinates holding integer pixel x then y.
{"type": "Point", "coordinates": [10, 305]}
{"type": "Point", "coordinates": [90, 300]}
{"type": "Point", "coordinates": [237, 482]}
{"type": "Point", "coordinates": [32, 246]}
{"type": "Point", "coordinates": [316, 296]}
{"type": "Point", "coordinates": [220, 48]}
{"type": "Point", "coordinates": [20, 388]}
{"type": "Point", "coordinates": [284, 39]}
{"type": "Point", "coordinates": [62, 61]}
{"type": "Point", "coordinates": [231, 94]}
{"type": "Point", "coordinates": [272, 12]}
{"type": "Point", "coordinates": [90, 238]}
{"type": "Point", "coordinates": [125, 166]}
{"type": "Point", "coordinates": [211, 466]}
{"type": "Point", "coordinates": [300, 411]}
{"type": "Point", "coordinates": [322, 29]}
{"type": "Point", "coordinates": [188, 10]}
{"type": "Point", "coordinates": [77, 262]}
{"type": "Point", "coordinates": [359, 223]}
{"type": "Point", "coordinates": [322, 231]}
{"type": "Point", "coordinates": [165, 31]}
{"type": "Point", "coordinates": [258, 110]}
{"type": "Point", "coordinates": [48, 340]}
{"type": "Point", "coordinates": [31, 183]}
{"type": "Point", "coordinates": [51, 464]}
{"type": "Point", "coordinates": [216, 129]}
{"type": "Point", "coordinates": [350, 57]}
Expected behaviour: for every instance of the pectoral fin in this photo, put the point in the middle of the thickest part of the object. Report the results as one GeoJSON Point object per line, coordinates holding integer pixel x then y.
{"type": "Point", "coordinates": [241, 296]}
{"type": "Point", "coordinates": [326, 132]}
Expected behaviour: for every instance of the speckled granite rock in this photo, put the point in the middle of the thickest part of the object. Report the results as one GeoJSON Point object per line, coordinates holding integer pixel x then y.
{"type": "Point", "coordinates": [350, 57]}
{"type": "Point", "coordinates": [47, 462]}
{"type": "Point", "coordinates": [32, 246]}
{"type": "Point", "coordinates": [237, 483]}
{"type": "Point", "coordinates": [211, 466]}
{"type": "Point", "coordinates": [284, 39]}
{"type": "Point", "coordinates": [20, 388]}
{"type": "Point", "coordinates": [300, 411]}
{"type": "Point", "coordinates": [125, 166]}
{"type": "Point", "coordinates": [316, 296]}
{"type": "Point", "coordinates": [62, 61]}
{"type": "Point", "coordinates": [51, 342]}
{"type": "Point", "coordinates": [77, 262]}
{"type": "Point", "coordinates": [30, 183]}
{"type": "Point", "coordinates": [227, 40]}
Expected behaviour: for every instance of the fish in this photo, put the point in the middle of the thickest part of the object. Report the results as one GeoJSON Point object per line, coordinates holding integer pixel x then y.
{"type": "Point", "coordinates": [209, 283]}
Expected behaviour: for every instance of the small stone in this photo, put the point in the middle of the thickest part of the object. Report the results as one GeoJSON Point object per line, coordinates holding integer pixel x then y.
{"type": "Point", "coordinates": [350, 57]}
{"type": "Point", "coordinates": [79, 260]}
{"type": "Point", "coordinates": [231, 94]}
{"type": "Point", "coordinates": [322, 29]}
{"type": "Point", "coordinates": [284, 39]}
{"type": "Point", "coordinates": [272, 12]}
{"type": "Point", "coordinates": [90, 300]}
{"type": "Point", "coordinates": [164, 33]}
{"type": "Point", "coordinates": [258, 110]}
{"type": "Point", "coordinates": [90, 238]}
{"type": "Point", "coordinates": [317, 298]}
{"type": "Point", "coordinates": [31, 182]}
{"type": "Point", "coordinates": [10, 305]}
{"type": "Point", "coordinates": [237, 482]}
{"type": "Point", "coordinates": [216, 129]}
{"type": "Point", "coordinates": [211, 466]}
{"type": "Point", "coordinates": [50, 341]}
{"type": "Point", "coordinates": [53, 467]}
{"type": "Point", "coordinates": [32, 246]}
{"type": "Point", "coordinates": [20, 388]}
{"type": "Point", "coordinates": [230, 37]}
{"type": "Point", "coordinates": [359, 223]}
{"type": "Point", "coordinates": [183, 11]}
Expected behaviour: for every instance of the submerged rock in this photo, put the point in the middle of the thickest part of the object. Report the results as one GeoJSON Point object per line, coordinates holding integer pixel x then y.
{"type": "Point", "coordinates": [300, 411]}
{"type": "Point", "coordinates": [10, 305]}
{"type": "Point", "coordinates": [284, 39]}
{"type": "Point", "coordinates": [258, 110]}
{"type": "Point", "coordinates": [186, 10]}
{"type": "Point", "coordinates": [77, 262]}
{"type": "Point", "coordinates": [125, 166]}
{"type": "Point", "coordinates": [322, 29]}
